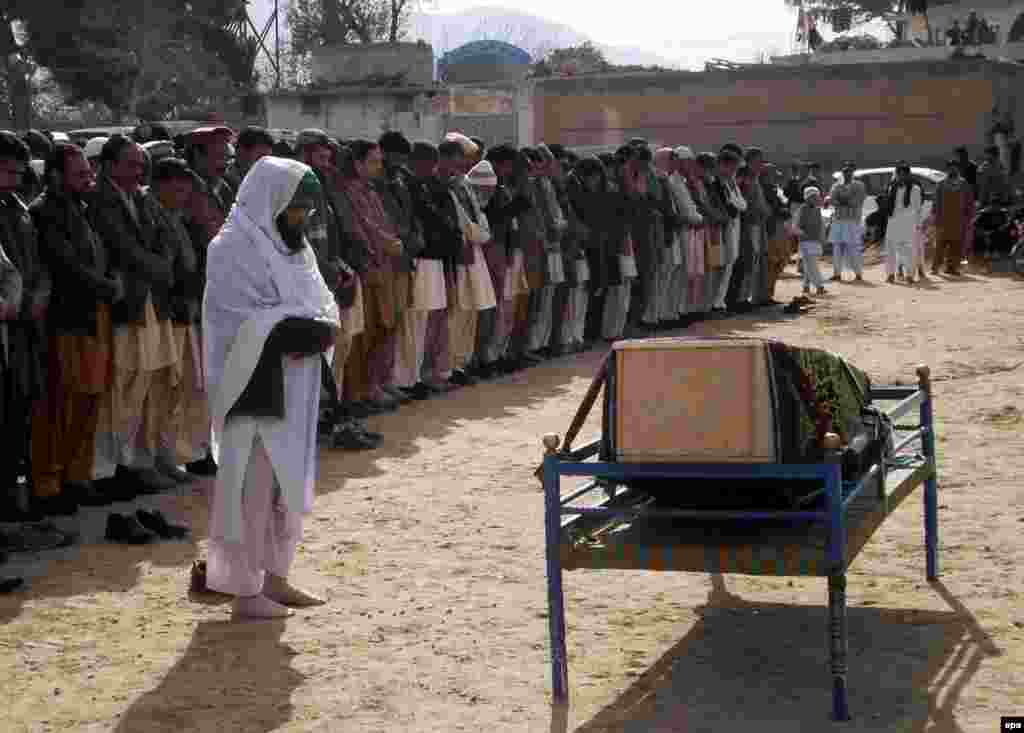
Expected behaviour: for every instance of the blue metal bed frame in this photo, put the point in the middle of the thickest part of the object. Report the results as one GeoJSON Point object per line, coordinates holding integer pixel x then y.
{"type": "Point", "coordinates": [835, 516]}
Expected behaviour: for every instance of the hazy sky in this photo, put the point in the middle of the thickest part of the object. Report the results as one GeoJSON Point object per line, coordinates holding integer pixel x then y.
{"type": "Point", "coordinates": [681, 29]}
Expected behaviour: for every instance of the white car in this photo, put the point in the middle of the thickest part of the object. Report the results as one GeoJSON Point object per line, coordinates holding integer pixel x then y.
{"type": "Point", "coordinates": [877, 180]}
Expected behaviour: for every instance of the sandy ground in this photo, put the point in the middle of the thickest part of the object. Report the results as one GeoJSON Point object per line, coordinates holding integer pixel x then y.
{"type": "Point", "coordinates": [431, 550]}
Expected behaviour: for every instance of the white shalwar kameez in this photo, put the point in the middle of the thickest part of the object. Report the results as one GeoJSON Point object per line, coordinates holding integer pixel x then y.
{"type": "Point", "coordinates": [267, 466]}
{"type": "Point", "coordinates": [904, 246]}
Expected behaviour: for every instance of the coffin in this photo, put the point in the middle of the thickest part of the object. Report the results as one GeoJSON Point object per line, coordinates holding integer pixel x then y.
{"type": "Point", "coordinates": [728, 400]}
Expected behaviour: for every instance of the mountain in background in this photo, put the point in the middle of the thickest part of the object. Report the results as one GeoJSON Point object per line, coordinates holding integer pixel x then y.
{"type": "Point", "coordinates": [536, 36]}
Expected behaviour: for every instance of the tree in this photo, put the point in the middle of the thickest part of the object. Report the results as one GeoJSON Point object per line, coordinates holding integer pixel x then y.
{"type": "Point", "coordinates": [312, 23]}
{"type": "Point", "coordinates": [585, 58]}
{"type": "Point", "coordinates": [842, 15]}
{"type": "Point", "coordinates": [143, 59]}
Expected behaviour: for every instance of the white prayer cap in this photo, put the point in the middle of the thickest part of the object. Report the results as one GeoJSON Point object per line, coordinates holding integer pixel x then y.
{"type": "Point", "coordinates": [94, 147]}
{"type": "Point", "coordinates": [812, 191]}
{"type": "Point", "coordinates": [684, 153]}
{"type": "Point", "coordinates": [158, 149]}
{"type": "Point", "coordinates": [482, 174]}
{"type": "Point", "coordinates": [468, 146]}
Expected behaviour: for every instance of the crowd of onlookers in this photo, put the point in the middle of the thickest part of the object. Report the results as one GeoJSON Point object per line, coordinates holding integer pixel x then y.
{"type": "Point", "coordinates": [451, 263]}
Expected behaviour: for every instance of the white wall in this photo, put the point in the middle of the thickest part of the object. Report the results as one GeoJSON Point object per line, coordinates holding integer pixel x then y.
{"type": "Point", "coordinates": [354, 116]}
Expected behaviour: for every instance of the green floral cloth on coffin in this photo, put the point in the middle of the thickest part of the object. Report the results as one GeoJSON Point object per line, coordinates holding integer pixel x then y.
{"type": "Point", "coordinates": [817, 392]}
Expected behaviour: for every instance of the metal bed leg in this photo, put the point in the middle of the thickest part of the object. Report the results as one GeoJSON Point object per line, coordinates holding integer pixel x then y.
{"type": "Point", "coordinates": [837, 576]}
{"type": "Point", "coordinates": [931, 499]}
{"type": "Point", "coordinates": [556, 600]}
{"type": "Point", "coordinates": [838, 648]}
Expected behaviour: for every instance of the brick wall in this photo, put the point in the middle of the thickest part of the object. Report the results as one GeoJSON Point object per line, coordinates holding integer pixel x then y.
{"type": "Point", "coordinates": [875, 114]}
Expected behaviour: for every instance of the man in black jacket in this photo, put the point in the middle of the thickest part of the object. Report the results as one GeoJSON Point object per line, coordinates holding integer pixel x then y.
{"type": "Point", "coordinates": [145, 351]}
{"type": "Point", "coordinates": [393, 189]}
{"type": "Point", "coordinates": [435, 209]}
{"type": "Point", "coordinates": [84, 290]}
{"type": "Point", "coordinates": [505, 257]}
{"type": "Point", "coordinates": [25, 371]}
{"type": "Point", "coordinates": [185, 434]}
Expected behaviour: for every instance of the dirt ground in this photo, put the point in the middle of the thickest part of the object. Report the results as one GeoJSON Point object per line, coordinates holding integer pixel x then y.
{"type": "Point", "coordinates": [431, 551]}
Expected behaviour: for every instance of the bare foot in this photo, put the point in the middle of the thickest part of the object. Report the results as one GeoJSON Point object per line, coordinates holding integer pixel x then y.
{"type": "Point", "coordinates": [259, 607]}
{"type": "Point", "coordinates": [280, 590]}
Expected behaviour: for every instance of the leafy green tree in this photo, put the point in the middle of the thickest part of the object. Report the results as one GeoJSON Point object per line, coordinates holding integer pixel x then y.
{"type": "Point", "coordinates": [143, 59]}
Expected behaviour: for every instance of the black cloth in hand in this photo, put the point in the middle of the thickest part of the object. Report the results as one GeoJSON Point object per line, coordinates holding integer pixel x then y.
{"type": "Point", "coordinates": [263, 396]}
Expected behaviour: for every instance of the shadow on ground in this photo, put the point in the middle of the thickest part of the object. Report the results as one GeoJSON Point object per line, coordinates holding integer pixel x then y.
{"type": "Point", "coordinates": [753, 666]}
{"type": "Point", "coordinates": [232, 676]}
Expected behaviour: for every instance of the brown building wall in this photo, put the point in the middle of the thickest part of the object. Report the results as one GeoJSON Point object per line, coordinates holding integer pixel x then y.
{"type": "Point", "coordinates": [876, 114]}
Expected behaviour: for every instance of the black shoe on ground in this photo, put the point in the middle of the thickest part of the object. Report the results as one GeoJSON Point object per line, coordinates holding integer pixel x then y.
{"type": "Point", "coordinates": [88, 494]}
{"type": "Point", "coordinates": [397, 393]}
{"type": "Point", "coordinates": [420, 391]}
{"type": "Point", "coordinates": [460, 379]}
{"type": "Point", "coordinates": [361, 429]}
{"type": "Point", "coordinates": [157, 523]}
{"type": "Point", "coordinates": [36, 537]}
{"type": "Point", "coordinates": [61, 505]}
{"type": "Point", "coordinates": [117, 488]}
{"type": "Point", "coordinates": [205, 467]}
{"type": "Point", "coordinates": [346, 437]}
{"type": "Point", "coordinates": [126, 530]}
{"type": "Point", "coordinates": [9, 585]}
{"type": "Point", "coordinates": [486, 371]}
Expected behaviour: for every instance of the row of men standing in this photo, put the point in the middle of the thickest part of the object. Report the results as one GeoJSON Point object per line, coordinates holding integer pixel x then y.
{"type": "Point", "coordinates": [452, 264]}
{"type": "Point", "coordinates": [102, 369]}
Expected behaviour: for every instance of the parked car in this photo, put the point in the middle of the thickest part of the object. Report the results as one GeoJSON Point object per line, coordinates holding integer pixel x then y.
{"type": "Point", "coordinates": [877, 181]}
{"type": "Point", "coordinates": [84, 135]}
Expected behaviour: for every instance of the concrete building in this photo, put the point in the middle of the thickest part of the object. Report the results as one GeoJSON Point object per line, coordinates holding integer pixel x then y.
{"type": "Point", "coordinates": [875, 112]}
{"type": "Point", "coordinates": [364, 90]}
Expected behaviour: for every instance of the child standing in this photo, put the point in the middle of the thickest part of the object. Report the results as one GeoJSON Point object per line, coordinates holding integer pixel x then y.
{"type": "Point", "coordinates": [811, 232]}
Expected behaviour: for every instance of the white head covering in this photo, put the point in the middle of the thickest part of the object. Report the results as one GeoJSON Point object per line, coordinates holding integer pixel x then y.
{"type": "Point", "coordinates": [684, 153]}
{"type": "Point", "coordinates": [254, 281]}
{"type": "Point", "coordinates": [158, 149]}
{"type": "Point", "coordinates": [482, 174]}
{"type": "Point", "coordinates": [812, 191]}
{"type": "Point", "coordinates": [468, 146]}
{"type": "Point", "coordinates": [94, 147]}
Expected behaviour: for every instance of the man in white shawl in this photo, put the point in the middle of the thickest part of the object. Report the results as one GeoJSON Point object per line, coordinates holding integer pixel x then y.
{"type": "Point", "coordinates": [268, 316]}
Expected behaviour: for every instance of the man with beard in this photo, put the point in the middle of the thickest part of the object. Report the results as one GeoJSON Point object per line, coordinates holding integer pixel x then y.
{"type": "Point", "coordinates": [84, 289]}
{"type": "Point", "coordinates": [252, 144]}
{"type": "Point", "coordinates": [335, 249]}
{"type": "Point", "coordinates": [268, 316]}
{"type": "Point", "coordinates": [393, 188]}
{"type": "Point", "coordinates": [24, 348]}
{"type": "Point", "coordinates": [145, 352]}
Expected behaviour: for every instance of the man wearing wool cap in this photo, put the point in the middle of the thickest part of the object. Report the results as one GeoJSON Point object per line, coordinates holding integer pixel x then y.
{"type": "Point", "coordinates": [484, 181]}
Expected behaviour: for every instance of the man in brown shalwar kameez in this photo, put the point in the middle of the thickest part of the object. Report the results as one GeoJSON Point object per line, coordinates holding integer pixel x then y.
{"type": "Point", "coordinates": [145, 351]}
{"type": "Point", "coordinates": [84, 291]}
